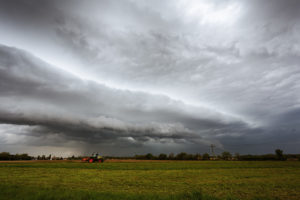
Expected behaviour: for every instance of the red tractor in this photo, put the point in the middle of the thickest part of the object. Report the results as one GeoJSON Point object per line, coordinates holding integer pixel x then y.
{"type": "Point", "coordinates": [94, 158]}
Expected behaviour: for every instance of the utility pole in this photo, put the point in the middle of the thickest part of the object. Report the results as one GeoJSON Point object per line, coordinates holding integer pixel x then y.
{"type": "Point", "coordinates": [212, 150]}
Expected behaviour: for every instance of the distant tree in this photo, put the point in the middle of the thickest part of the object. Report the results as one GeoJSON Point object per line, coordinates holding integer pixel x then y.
{"type": "Point", "coordinates": [43, 157]}
{"type": "Point", "coordinates": [226, 155]}
{"type": "Point", "coordinates": [8, 156]}
{"type": "Point", "coordinates": [237, 156]}
{"type": "Point", "coordinates": [205, 156]}
{"type": "Point", "coordinates": [162, 156]}
{"type": "Point", "coordinates": [5, 156]}
{"type": "Point", "coordinates": [139, 157]}
{"type": "Point", "coordinates": [15, 157]}
{"type": "Point", "coordinates": [171, 156]}
{"type": "Point", "coordinates": [25, 156]}
{"type": "Point", "coordinates": [197, 157]}
{"type": "Point", "coordinates": [279, 154]}
{"type": "Point", "coordinates": [190, 157]}
{"type": "Point", "coordinates": [149, 156]}
{"type": "Point", "coordinates": [181, 156]}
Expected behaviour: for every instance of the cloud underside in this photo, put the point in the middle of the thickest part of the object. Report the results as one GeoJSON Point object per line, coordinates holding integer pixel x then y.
{"type": "Point", "coordinates": [51, 101]}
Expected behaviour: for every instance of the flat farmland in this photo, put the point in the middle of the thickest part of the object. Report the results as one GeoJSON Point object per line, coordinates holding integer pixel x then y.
{"type": "Point", "coordinates": [150, 180]}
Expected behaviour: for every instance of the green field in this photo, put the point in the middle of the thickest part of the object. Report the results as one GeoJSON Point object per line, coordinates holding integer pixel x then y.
{"type": "Point", "coordinates": [151, 180]}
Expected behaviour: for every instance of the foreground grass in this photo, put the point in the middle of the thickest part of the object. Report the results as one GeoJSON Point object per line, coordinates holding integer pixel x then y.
{"type": "Point", "coordinates": [150, 180]}
{"type": "Point", "coordinates": [37, 193]}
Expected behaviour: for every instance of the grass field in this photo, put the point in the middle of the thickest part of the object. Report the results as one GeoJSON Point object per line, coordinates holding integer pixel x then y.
{"type": "Point", "coordinates": [150, 180]}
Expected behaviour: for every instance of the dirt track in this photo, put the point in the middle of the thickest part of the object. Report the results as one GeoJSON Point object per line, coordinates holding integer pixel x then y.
{"type": "Point", "coordinates": [58, 161]}
{"type": "Point", "coordinates": [133, 160]}
{"type": "Point", "coordinates": [36, 161]}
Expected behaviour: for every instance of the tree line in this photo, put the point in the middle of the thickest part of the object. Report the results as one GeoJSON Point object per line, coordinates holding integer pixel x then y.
{"type": "Point", "coordinates": [223, 156]}
{"type": "Point", "coordinates": [8, 156]}
{"type": "Point", "coordinates": [180, 156]}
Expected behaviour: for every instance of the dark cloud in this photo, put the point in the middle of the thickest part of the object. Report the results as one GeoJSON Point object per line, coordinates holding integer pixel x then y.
{"type": "Point", "coordinates": [37, 94]}
{"type": "Point", "coordinates": [141, 75]}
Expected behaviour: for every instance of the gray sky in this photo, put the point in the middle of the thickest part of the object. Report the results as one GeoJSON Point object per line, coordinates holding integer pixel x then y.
{"type": "Point", "coordinates": [131, 77]}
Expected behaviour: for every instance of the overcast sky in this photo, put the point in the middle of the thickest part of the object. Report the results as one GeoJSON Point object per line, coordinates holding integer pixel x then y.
{"type": "Point", "coordinates": [131, 77]}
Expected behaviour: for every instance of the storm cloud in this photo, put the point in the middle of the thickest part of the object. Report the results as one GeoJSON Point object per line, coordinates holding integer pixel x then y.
{"type": "Point", "coordinates": [130, 77]}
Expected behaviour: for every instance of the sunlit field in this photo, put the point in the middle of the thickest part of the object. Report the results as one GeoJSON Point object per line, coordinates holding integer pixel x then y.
{"type": "Point", "coordinates": [150, 180]}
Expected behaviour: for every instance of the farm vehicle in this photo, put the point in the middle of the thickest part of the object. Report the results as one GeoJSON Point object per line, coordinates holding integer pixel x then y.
{"type": "Point", "coordinates": [94, 158]}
